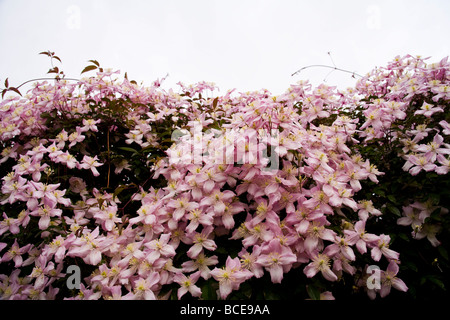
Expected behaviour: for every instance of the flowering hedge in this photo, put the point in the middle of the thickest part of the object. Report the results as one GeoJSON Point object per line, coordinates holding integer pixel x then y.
{"type": "Point", "coordinates": [313, 194]}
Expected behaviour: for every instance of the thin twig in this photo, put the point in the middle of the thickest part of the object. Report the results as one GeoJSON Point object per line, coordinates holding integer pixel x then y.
{"type": "Point", "coordinates": [326, 66]}
{"type": "Point", "coordinates": [37, 79]}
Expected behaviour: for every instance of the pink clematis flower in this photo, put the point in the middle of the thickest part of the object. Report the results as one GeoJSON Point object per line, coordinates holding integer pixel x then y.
{"type": "Point", "coordinates": [44, 191]}
{"type": "Point", "coordinates": [382, 248]}
{"type": "Point", "coordinates": [187, 284]}
{"type": "Point", "coordinates": [218, 200]}
{"type": "Point", "coordinates": [444, 124]}
{"type": "Point", "coordinates": [107, 217]}
{"type": "Point", "coordinates": [182, 205]}
{"type": "Point", "coordinates": [9, 224]}
{"type": "Point", "coordinates": [389, 279]}
{"type": "Point", "coordinates": [202, 240]}
{"type": "Point", "coordinates": [90, 125]}
{"type": "Point", "coordinates": [319, 200]}
{"type": "Point", "coordinates": [201, 263]}
{"type": "Point", "coordinates": [360, 237]}
{"type": "Point", "coordinates": [445, 164]}
{"type": "Point", "coordinates": [45, 212]}
{"type": "Point", "coordinates": [209, 178]}
{"type": "Point", "coordinates": [428, 110]}
{"type": "Point", "coordinates": [230, 277]}
{"type": "Point", "coordinates": [316, 233]}
{"type": "Point", "coordinates": [144, 289]}
{"type": "Point", "coordinates": [411, 217]}
{"type": "Point", "coordinates": [160, 247]}
{"type": "Point", "coordinates": [90, 163]}
{"type": "Point", "coordinates": [249, 261]}
{"type": "Point", "coordinates": [15, 253]}
{"type": "Point", "coordinates": [365, 208]}
{"type": "Point", "coordinates": [277, 259]}
{"type": "Point", "coordinates": [89, 247]}
{"type": "Point", "coordinates": [320, 262]}
{"type": "Point", "coordinates": [76, 137]}
{"type": "Point", "coordinates": [434, 148]}
{"type": "Point", "coordinates": [15, 188]}
{"type": "Point", "coordinates": [58, 248]}
{"type": "Point", "coordinates": [420, 163]}
{"type": "Point", "coordinates": [198, 217]}
{"type": "Point", "coordinates": [341, 245]}
{"type": "Point", "coordinates": [429, 231]}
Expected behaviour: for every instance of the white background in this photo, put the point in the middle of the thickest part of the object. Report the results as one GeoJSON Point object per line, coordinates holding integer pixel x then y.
{"type": "Point", "coordinates": [247, 45]}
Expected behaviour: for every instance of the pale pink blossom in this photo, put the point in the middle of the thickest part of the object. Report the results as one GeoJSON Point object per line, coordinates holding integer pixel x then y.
{"type": "Point", "coordinates": [230, 277]}
{"type": "Point", "coordinates": [90, 125]}
{"type": "Point", "coordinates": [249, 261]}
{"type": "Point", "coordinates": [428, 110]}
{"type": "Point", "coordinates": [202, 240]}
{"type": "Point", "coordinates": [359, 237]}
{"type": "Point", "coordinates": [187, 284]}
{"type": "Point", "coordinates": [389, 280]}
{"type": "Point", "coordinates": [277, 259]}
{"type": "Point", "coordinates": [9, 224]}
{"type": "Point", "coordinates": [160, 247]}
{"type": "Point", "coordinates": [45, 213]}
{"type": "Point", "coordinates": [182, 205]}
{"type": "Point", "coordinates": [320, 263]}
{"type": "Point", "coordinates": [90, 163]}
{"type": "Point", "coordinates": [144, 289]}
{"type": "Point", "coordinates": [200, 263]}
{"type": "Point", "coordinates": [15, 253]}
{"type": "Point", "coordinates": [382, 248]}
{"type": "Point", "coordinates": [420, 163]}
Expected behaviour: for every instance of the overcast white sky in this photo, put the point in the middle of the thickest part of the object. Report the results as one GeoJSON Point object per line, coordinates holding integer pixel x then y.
{"type": "Point", "coordinates": [243, 44]}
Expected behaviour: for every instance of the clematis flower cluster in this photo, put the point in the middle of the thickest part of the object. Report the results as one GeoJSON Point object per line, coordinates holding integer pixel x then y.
{"type": "Point", "coordinates": [413, 113]}
{"type": "Point", "coordinates": [159, 195]}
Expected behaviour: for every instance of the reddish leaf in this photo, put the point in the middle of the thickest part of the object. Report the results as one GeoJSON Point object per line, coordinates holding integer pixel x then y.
{"type": "Point", "coordinates": [54, 70]}
{"type": "Point", "coordinates": [47, 53]}
{"type": "Point", "coordinates": [15, 90]}
{"type": "Point", "coordinates": [89, 68]}
{"type": "Point", "coordinates": [95, 62]}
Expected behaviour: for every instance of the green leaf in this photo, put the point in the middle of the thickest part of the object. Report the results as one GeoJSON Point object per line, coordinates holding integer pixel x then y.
{"type": "Point", "coordinates": [128, 149]}
{"type": "Point", "coordinates": [392, 198]}
{"type": "Point", "coordinates": [394, 210]}
{"type": "Point", "coordinates": [437, 282]}
{"type": "Point", "coordinates": [313, 292]}
{"type": "Point", "coordinates": [404, 237]}
{"type": "Point", "coordinates": [411, 266]}
{"type": "Point", "coordinates": [89, 68]}
{"type": "Point", "coordinates": [443, 252]}
{"type": "Point", "coordinates": [379, 192]}
{"type": "Point", "coordinates": [209, 290]}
